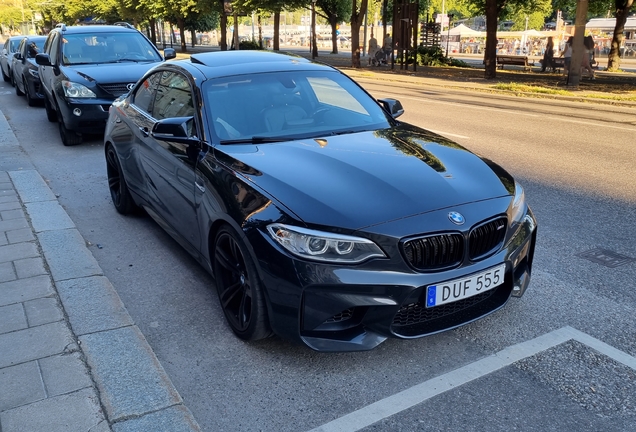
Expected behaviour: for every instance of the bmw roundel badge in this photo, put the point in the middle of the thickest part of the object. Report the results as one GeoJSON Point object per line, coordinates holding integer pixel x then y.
{"type": "Point", "coordinates": [456, 218]}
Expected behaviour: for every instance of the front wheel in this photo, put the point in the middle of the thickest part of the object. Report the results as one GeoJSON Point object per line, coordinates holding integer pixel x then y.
{"type": "Point", "coordinates": [5, 77]}
{"type": "Point", "coordinates": [51, 114]}
{"type": "Point", "coordinates": [69, 137]}
{"type": "Point", "coordinates": [18, 92]}
{"type": "Point", "coordinates": [239, 288]}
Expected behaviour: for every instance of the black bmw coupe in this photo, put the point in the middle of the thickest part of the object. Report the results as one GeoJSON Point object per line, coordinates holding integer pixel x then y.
{"type": "Point", "coordinates": [322, 217]}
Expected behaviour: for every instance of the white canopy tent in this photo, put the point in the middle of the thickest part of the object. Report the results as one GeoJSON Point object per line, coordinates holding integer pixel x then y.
{"type": "Point", "coordinates": [463, 31]}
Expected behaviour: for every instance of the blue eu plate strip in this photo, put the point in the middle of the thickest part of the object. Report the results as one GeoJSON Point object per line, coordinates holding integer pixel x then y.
{"type": "Point", "coordinates": [430, 297]}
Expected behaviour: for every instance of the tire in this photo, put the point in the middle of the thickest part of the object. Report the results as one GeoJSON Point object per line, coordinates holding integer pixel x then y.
{"type": "Point", "coordinates": [239, 288]}
{"type": "Point", "coordinates": [30, 101]}
{"type": "Point", "coordinates": [51, 114]}
{"type": "Point", "coordinates": [69, 137]}
{"type": "Point", "coordinates": [119, 192]}
{"type": "Point", "coordinates": [5, 77]}
{"type": "Point", "coordinates": [18, 92]}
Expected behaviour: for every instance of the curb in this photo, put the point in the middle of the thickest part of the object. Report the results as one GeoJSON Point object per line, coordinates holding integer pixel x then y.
{"type": "Point", "coordinates": [134, 389]}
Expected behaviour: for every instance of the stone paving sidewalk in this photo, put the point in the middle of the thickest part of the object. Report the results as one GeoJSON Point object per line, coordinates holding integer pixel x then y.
{"type": "Point", "coordinates": [71, 358]}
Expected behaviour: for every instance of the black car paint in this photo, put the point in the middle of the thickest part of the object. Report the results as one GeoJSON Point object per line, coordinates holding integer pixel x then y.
{"type": "Point", "coordinates": [377, 199]}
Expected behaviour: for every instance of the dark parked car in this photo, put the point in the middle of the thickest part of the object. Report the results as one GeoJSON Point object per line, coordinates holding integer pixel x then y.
{"type": "Point", "coordinates": [9, 48]}
{"type": "Point", "coordinates": [24, 70]}
{"type": "Point", "coordinates": [322, 217]}
{"type": "Point", "coordinates": [84, 68]}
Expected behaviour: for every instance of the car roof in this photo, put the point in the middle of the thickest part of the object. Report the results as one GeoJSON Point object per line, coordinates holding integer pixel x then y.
{"type": "Point", "coordinates": [227, 63]}
{"type": "Point", "coordinates": [96, 29]}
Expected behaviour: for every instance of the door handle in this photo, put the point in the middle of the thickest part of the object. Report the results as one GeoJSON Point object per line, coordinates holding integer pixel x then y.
{"type": "Point", "coordinates": [144, 131]}
{"type": "Point", "coordinates": [200, 187]}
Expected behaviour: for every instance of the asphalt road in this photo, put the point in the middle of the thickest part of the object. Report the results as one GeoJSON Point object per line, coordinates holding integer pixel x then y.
{"type": "Point", "coordinates": [578, 372]}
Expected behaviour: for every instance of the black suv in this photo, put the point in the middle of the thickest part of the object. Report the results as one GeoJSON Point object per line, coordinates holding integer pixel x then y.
{"type": "Point", "coordinates": [84, 68]}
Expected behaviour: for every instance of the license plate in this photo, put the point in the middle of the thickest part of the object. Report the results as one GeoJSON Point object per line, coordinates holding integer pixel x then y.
{"type": "Point", "coordinates": [458, 289]}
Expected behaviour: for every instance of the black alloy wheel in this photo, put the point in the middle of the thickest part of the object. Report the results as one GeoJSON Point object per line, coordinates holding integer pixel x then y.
{"type": "Point", "coordinates": [69, 137]}
{"type": "Point", "coordinates": [30, 101]}
{"type": "Point", "coordinates": [239, 288]}
{"type": "Point", "coordinates": [122, 200]}
{"type": "Point", "coordinates": [51, 114]}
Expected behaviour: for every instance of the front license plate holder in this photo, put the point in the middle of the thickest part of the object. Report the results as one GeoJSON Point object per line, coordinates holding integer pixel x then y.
{"type": "Point", "coordinates": [465, 287]}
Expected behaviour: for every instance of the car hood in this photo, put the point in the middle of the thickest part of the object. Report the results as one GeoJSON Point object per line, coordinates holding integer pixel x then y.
{"type": "Point", "coordinates": [109, 73]}
{"type": "Point", "coordinates": [361, 179]}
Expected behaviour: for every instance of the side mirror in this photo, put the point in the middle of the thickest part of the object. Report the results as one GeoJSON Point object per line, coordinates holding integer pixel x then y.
{"type": "Point", "coordinates": [393, 106]}
{"type": "Point", "coordinates": [169, 53]}
{"type": "Point", "coordinates": [43, 59]}
{"type": "Point", "coordinates": [175, 129]}
{"type": "Point", "coordinates": [4, 51]}
{"type": "Point", "coordinates": [17, 56]}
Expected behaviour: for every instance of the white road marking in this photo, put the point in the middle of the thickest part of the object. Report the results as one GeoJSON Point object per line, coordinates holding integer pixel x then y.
{"type": "Point", "coordinates": [417, 394]}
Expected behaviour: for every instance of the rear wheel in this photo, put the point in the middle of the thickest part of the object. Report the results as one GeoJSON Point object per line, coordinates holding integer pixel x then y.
{"type": "Point", "coordinates": [239, 288]}
{"type": "Point", "coordinates": [122, 200]}
{"type": "Point", "coordinates": [69, 137]}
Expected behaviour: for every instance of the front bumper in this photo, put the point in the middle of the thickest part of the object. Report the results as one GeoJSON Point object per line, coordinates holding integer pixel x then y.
{"type": "Point", "coordinates": [86, 116]}
{"type": "Point", "coordinates": [355, 308]}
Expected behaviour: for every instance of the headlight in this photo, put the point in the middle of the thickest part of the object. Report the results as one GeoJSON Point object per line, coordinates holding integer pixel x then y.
{"type": "Point", "coordinates": [34, 73]}
{"type": "Point", "coordinates": [75, 90]}
{"type": "Point", "coordinates": [518, 207]}
{"type": "Point", "coordinates": [323, 246]}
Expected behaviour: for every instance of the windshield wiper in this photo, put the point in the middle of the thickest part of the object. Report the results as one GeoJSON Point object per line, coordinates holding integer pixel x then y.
{"type": "Point", "coordinates": [258, 140]}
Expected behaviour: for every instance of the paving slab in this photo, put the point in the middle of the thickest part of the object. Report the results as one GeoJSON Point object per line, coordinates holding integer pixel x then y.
{"type": "Point", "coordinates": [129, 377]}
{"type": "Point", "coordinates": [7, 272]}
{"type": "Point", "coordinates": [20, 384]}
{"type": "Point", "coordinates": [20, 235]}
{"type": "Point", "coordinates": [48, 215]}
{"type": "Point", "coordinates": [78, 411]}
{"type": "Point", "coordinates": [92, 305]}
{"type": "Point", "coordinates": [64, 374]}
{"type": "Point", "coordinates": [67, 256]}
{"type": "Point", "coordinates": [12, 318]}
{"type": "Point", "coordinates": [29, 267]}
{"type": "Point", "coordinates": [7, 137]}
{"type": "Point", "coordinates": [34, 343]}
{"type": "Point", "coordinates": [14, 224]}
{"type": "Point", "coordinates": [18, 251]}
{"type": "Point", "coordinates": [43, 311]}
{"type": "Point", "coordinates": [25, 289]}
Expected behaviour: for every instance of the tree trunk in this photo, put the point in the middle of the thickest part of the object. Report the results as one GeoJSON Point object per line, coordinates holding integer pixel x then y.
{"type": "Point", "coordinates": [622, 11]}
{"type": "Point", "coordinates": [260, 31]}
{"type": "Point", "coordinates": [314, 43]}
{"type": "Point", "coordinates": [490, 53]}
{"type": "Point", "coordinates": [276, 41]}
{"type": "Point", "coordinates": [193, 35]}
{"type": "Point", "coordinates": [356, 22]}
{"type": "Point", "coordinates": [181, 26]}
{"type": "Point", "coordinates": [223, 32]}
{"type": "Point", "coordinates": [333, 22]}
{"type": "Point", "coordinates": [153, 33]}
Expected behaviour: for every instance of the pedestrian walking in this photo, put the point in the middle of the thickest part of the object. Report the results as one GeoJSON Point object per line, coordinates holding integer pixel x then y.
{"type": "Point", "coordinates": [567, 55]}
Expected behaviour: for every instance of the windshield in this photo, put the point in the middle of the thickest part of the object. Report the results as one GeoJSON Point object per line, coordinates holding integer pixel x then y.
{"type": "Point", "coordinates": [289, 105]}
{"type": "Point", "coordinates": [112, 47]}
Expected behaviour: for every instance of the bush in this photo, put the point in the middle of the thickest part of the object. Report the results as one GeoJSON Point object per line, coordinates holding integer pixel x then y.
{"type": "Point", "coordinates": [434, 56]}
{"type": "Point", "coordinates": [249, 45]}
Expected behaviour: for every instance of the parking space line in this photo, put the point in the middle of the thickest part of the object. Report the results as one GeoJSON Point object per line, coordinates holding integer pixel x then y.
{"type": "Point", "coordinates": [417, 394]}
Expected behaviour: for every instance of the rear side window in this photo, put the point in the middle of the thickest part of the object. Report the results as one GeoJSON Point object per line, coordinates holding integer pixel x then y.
{"type": "Point", "coordinates": [54, 47]}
